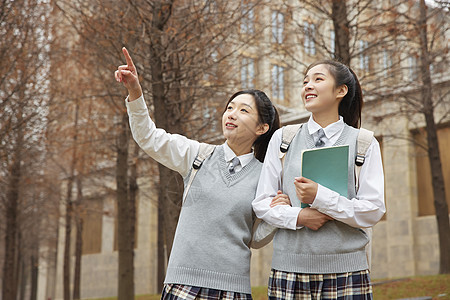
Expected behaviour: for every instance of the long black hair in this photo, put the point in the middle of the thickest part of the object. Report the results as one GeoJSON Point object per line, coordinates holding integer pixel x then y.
{"type": "Point", "coordinates": [351, 105]}
{"type": "Point", "coordinates": [267, 114]}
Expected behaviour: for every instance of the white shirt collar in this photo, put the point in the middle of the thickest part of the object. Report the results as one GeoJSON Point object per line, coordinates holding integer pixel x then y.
{"type": "Point", "coordinates": [330, 131]}
{"type": "Point", "coordinates": [243, 159]}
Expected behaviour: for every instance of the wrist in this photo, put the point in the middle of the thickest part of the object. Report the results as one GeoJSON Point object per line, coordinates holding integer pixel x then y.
{"type": "Point", "coordinates": [134, 94]}
{"type": "Point", "coordinates": [298, 219]}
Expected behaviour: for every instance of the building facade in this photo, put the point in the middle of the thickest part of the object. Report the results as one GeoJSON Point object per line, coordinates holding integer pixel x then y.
{"type": "Point", "coordinates": [290, 37]}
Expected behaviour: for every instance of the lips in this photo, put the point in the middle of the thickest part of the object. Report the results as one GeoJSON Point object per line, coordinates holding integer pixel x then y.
{"type": "Point", "coordinates": [310, 96]}
{"type": "Point", "coordinates": [230, 125]}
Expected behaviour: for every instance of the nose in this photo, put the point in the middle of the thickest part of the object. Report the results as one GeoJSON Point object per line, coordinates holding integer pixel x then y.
{"type": "Point", "coordinates": [231, 115]}
{"type": "Point", "coordinates": [308, 86]}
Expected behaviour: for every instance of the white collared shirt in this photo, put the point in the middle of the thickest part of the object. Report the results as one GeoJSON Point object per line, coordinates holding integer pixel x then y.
{"type": "Point", "coordinates": [174, 151]}
{"type": "Point", "coordinates": [363, 211]}
{"type": "Point", "coordinates": [332, 131]}
{"type": "Point", "coordinates": [243, 159]}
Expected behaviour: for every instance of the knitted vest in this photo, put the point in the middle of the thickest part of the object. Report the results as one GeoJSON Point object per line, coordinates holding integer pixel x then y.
{"type": "Point", "coordinates": [211, 245]}
{"type": "Point", "coordinates": [335, 247]}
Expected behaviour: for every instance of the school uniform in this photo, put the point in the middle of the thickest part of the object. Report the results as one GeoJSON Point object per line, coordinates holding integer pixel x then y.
{"type": "Point", "coordinates": [329, 263]}
{"type": "Point", "coordinates": [210, 257]}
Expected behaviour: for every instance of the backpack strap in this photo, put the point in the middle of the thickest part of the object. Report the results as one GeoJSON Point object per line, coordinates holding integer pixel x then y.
{"type": "Point", "coordinates": [287, 135]}
{"type": "Point", "coordinates": [364, 140]}
{"type": "Point", "coordinates": [204, 151]}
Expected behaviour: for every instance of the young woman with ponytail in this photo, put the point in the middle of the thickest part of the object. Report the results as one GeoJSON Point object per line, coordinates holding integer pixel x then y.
{"type": "Point", "coordinates": [210, 257]}
{"type": "Point", "coordinates": [319, 251]}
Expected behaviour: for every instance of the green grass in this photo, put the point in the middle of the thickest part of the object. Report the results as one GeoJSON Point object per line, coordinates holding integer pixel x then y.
{"type": "Point", "coordinates": [437, 286]}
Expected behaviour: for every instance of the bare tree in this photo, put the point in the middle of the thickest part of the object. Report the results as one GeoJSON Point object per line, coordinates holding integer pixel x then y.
{"type": "Point", "coordinates": [428, 109]}
{"type": "Point", "coordinates": [23, 30]}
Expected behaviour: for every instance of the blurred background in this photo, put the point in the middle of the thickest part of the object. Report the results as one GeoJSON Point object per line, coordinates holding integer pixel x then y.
{"type": "Point", "coordinates": [84, 213]}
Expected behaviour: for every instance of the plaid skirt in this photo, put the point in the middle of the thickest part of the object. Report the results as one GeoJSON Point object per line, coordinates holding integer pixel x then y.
{"type": "Point", "coordinates": [186, 292]}
{"type": "Point", "coordinates": [353, 285]}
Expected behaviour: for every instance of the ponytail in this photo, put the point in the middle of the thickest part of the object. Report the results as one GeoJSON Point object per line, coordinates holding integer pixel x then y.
{"type": "Point", "coordinates": [351, 105]}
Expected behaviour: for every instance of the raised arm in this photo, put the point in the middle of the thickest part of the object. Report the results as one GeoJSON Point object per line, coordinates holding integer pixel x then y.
{"type": "Point", "coordinates": [172, 150]}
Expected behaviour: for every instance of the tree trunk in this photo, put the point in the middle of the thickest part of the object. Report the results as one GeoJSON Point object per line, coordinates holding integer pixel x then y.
{"type": "Point", "coordinates": [10, 268]}
{"type": "Point", "coordinates": [125, 230]}
{"type": "Point", "coordinates": [168, 210]}
{"type": "Point", "coordinates": [68, 230]}
{"type": "Point", "coordinates": [437, 176]}
{"type": "Point", "coordinates": [69, 209]}
{"type": "Point", "coordinates": [23, 276]}
{"type": "Point", "coordinates": [34, 276]}
{"type": "Point", "coordinates": [341, 31]}
{"type": "Point", "coordinates": [78, 241]}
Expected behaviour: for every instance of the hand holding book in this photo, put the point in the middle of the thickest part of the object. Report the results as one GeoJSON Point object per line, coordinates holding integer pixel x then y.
{"type": "Point", "coordinates": [326, 166]}
{"type": "Point", "coordinates": [306, 190]}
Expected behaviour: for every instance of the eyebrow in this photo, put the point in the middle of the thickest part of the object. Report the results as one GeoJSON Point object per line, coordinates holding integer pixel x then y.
{"type": "Point", "coordinates": [315, 74]}
{"type": "Point", "coordinates": [245, 104]}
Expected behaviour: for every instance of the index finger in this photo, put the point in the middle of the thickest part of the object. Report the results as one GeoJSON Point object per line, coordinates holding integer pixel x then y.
{"type": "Point", "coordinates": [127, 57]}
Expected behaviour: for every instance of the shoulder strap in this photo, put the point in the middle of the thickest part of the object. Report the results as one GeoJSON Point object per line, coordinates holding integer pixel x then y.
{"type": "Point", "coordinates": [204, 151]}
{"type": "Point", "coordinates": [288, 134]}
{"type": "Point", "coordinates": [364, 140]}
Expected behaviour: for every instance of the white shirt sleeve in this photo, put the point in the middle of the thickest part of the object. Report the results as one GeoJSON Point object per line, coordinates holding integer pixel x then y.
{"type": "Point", "coordinates": [368, 207]}
{"type": "Point", "coordinates": [282, 216]}
{"type": "Point", "coordinates": [174, 151]}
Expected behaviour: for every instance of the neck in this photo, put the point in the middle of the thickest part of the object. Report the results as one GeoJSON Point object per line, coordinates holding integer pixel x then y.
{"type": "Point", "coordinates": [240, 148]}
{"type": "Point", "coordinates": [326, 118]}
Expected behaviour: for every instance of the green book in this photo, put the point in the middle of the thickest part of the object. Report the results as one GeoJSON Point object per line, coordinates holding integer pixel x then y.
{"type": "Point", "coordinates": [327, 166]}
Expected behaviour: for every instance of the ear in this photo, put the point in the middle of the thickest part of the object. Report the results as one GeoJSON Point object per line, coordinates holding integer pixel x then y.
{"type": "Point", "coordinates": [263, 128]}
{"type": "Point", "coordinates": [341, 91]}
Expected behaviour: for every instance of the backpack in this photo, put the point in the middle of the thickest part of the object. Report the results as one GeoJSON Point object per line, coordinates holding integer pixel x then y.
{"type": "Point", "coordinates": [264, 233]}
{"type": "Point", "coordinates": [204, 151]}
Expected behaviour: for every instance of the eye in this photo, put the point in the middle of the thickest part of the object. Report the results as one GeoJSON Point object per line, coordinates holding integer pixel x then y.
{"type": "Point", "coordinates": [229, 107]}
{"type": "Point", "coordinates": [319, 78]}
{"type": "Point", "coordinates": [244, 110]}
{"type": "Point", "coordinates": [305, 82]}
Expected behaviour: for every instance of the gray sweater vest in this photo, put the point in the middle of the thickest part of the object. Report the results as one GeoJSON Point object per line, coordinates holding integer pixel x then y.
{"type": "Point", "coordinates": [211, 245]}
{"type": "Point", "coordinates": [335, 247]}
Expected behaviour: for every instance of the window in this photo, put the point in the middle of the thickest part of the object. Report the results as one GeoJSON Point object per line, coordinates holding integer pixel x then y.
{"type": "Point", "coordinates": [332, 42]}
{"type": "Point", "coordinates": [210, 7]}
{"type": "Point", "coordinates": [278, 82]}
{"type": "Point", "coordinates": [210, 117]}
{"type": "Point", "coordinates": [248, 73]}
{"type": "Point", "coordinates": [423, 171]}
{"type": "Point", "coordinates": [248, 18]}
{"type": "Point", "coordinates": [116, 227]}
{"type": "Point", "coordinates": [210, 73]}
{"type": "Point", "coordinates": [412, 67]}
{"type": "Point", "coordinates": [92, 226]}
{"type": "Point", "coordinates": [309, 42]}
{"type": "Point", "coordinates": [363, 56]}
{"type": "Point", "coordinates": [387, 62]}
{"type": "Point", "coordinates": [277, 27]}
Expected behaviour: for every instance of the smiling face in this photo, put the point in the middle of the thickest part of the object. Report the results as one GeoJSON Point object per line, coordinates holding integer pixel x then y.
{"type": "Point", "coordinates": [319, 92]}
{"type": "Point", "coordinates": [240, 123]}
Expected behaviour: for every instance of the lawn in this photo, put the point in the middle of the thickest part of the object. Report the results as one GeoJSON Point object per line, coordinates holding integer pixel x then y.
{"type": "Point", "coordinates": [437, 286]}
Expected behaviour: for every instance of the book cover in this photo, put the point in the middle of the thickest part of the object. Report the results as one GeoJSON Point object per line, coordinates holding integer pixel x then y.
{"type": "Point", "coordinates": [327, 166]}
